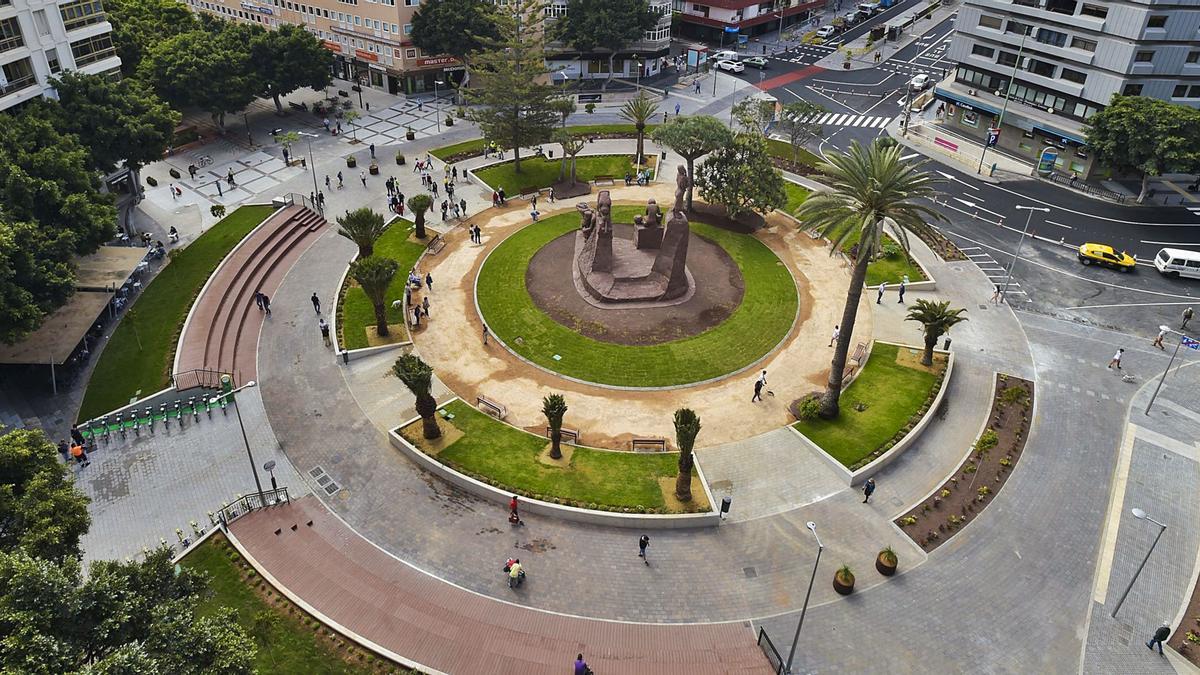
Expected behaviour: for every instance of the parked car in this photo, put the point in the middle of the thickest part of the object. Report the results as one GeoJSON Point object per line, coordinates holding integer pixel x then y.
{"type": "Point", "coordinates": [1102, 254]}
{"type": "Point", "coordinates": [851, 18]}
{"type": "Point", "coordinates": [827, 31]}
{"type": "Point", "coordinates": [870, 8]}
{"type": "Point", "coordinates": [756, 61]}
{"type": "Point", "coordinates": [731, 66]}
{"type": "Point", "coordinates": [920, 82]}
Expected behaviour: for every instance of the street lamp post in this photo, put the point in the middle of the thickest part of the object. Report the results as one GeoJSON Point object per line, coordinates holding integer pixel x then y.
{"type": "Point", "coordinates": [1140, 515]}
{"type": "Point", "coordinates": [1017, 254]}
{"type": "Point", "coordinates": [249, 454]}
{"type": "Point", "coordinates": [437, 116]}
{"type": "Point", "coordinates": [796, 640]}
{"type": "Point", "coordinates": [1168, 369]}
{"type": "Point", "coordinates": [1012, 80]}
{"type": "Point", "coordinates": [313, 167]}
{"type": "Point", "coordinates": [270, 467]}
{"type": "Point", "coordinates": [246, 120]}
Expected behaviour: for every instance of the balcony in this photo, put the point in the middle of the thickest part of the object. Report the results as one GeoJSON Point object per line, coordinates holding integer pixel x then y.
{"type": "Point", "coordinates": [10, 35]}
{"type": "Point", "coordinates": [19, 75]}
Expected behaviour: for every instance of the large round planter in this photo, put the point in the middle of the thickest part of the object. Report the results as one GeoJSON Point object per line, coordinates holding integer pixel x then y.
{"type": "Point", "coordinates": [351, 162]}
{"type": "Point", "coordinates": [842, 588]}
{"type": "Point", "coordinates": [883, 567]}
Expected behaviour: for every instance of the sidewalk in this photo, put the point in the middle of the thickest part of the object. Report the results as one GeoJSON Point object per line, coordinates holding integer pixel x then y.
{"type": "Point", "coordinates": [864, 58]}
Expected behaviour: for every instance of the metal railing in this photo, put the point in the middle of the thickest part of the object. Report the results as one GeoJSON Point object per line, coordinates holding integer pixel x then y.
{"type": "Point", "coordinates": [768, 647]}
{"type": "Point", "coordinates": [200, 378]}
{"type": "Point", "coordinates": [293, 198]}
{"type": "Point", "coordinates": [1064, 179]}
{"type": "Point", "coordinates": [252, 502]}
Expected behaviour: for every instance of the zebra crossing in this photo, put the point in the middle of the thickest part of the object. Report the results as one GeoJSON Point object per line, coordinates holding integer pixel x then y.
{"type": "Point", "coordinates": [849, 120]}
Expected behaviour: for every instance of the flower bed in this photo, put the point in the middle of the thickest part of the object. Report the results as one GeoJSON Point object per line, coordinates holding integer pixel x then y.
{"type": "Point", "coordinates": [941, 245]}
{"type": "Point", "coordinates": [1186, 636]}
{"type": "Point", "coordinates": [981, 474]}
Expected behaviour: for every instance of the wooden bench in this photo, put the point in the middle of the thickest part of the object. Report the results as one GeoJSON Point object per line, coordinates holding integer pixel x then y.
{"type": "Point", "coordinates": [436, 245]}
{"type": "Point", "coordinates": [568, 435]}
{"type": "Point", "coordinates": [497, 410]}
{"type": "Point", "coordinates": [603, 180]}
{"type": "Point", "coordinates": [653, 444]}
{"type": "Point", "coordinates": [860, 353]}
{"type": "Point", "coordinates": [848, 373]}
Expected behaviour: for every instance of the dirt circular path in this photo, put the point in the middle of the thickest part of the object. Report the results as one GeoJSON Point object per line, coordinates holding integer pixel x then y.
{"type": "Point", "coordinates": [719, 290]}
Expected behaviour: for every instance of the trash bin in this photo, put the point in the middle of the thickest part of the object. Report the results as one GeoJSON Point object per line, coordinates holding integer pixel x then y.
{"type": "Point", "coordinates": [664, 155]}
{"type": "Point", "coordinates": [226, 384]}
{"type": "Point", "coordinates": [725, 502]}
{"type": "Point", "coordinates": [946, 344]}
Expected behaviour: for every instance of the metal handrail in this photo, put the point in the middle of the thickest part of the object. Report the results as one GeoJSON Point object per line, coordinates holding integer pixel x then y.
{"type": "Point", "coordinates": [251, 502]}
{"type": "Point", "coordinates": [769, 650]}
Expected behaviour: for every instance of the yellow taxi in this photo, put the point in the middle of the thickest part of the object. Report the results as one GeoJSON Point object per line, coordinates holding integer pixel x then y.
{"type": "Point", "coordinates": [1102, 254]}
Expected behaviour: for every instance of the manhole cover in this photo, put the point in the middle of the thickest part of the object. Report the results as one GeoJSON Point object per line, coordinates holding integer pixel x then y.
{"type": "Point", "coordinates": [750, 572]}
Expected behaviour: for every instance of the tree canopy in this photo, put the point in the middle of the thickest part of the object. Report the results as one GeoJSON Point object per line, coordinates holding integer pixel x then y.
{"type": "Point", "coordinates": [41, 512]}
{"type": "Point", "coordinates": [205, 69]}
{"type": "Point", "coordinates": [606, 25]}
{"type": "Point", "coordinates": [120, 121]}
{"type": "Point", "coordinates": [140, 24]}
{"type": "Point", "coordinates": [692, 137]}
{"type": "Point", "coordinates": [1145, 136]}
{"type": "Point", "coordinates": [741, 177]}
{"type": "Point", "coordinates": [36, 276]}
{"type": "Point", "coordinates": [288, 58]}
{"type": "Point", "coordinates": [454, 27]}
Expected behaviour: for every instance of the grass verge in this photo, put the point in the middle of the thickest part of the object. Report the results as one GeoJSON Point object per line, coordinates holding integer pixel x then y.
{"type": "Point", "coordinates": [891, 268]}
{"type": "Point", "coordinates": [763, 319]}
{"type": "Point", "coordinates": [355, 312]}
{"type": "Point", "coordinates": [507, 457]}
{"type": "Point", "coordinates": [795, 197]}
{"type": "Point", "coordinates": [475, 145]}
{"type": "Point", "coordinates": [539, 173]}
{"type": "Point", "coordinates": [893, 393]}
{"type": "Point", "coordinates": [783, 150]}
{"type": "Point", "coordinates": [139, 353]}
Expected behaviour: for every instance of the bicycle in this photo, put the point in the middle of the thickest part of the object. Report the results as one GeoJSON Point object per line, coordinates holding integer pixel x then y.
{"type": "Point", "coordinates": [204, 160]}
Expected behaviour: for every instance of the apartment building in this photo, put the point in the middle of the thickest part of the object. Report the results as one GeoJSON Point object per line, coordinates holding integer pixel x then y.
{"type": "Point", "coordinates": [645, 58]}
{"type": "Point", "coordinates": [1056, 62]}
{"type": "Point", "coordinates": [40, 38]}
{"type": "Point", "coordinates": [724, 21]}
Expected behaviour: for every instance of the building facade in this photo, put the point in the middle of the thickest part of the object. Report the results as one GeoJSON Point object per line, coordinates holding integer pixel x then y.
{"type": "Point", "coordinates": [40, 38]}
{"type": "Point", "coordinates": [645, 58]}
{"type": "Point", "coordinates": [723, 21]}
{"type": "Point", "coordinates": [1049, 65]}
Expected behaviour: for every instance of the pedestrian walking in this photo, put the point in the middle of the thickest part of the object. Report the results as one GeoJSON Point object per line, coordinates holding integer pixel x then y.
{"type": "Point", "coordinates": [478, 235]}
{"type": "Point", "coordinates": [77, 436]}
{"type": "Point", "coordinates": [642, 544]}
{"type": "Point", "coordinates": [327, 186]}
{"type": "Point", "coordinates": [324, 330]}
{"type": "Point", "coordinates": [1158, 339]}
{"type": "Point", "coordinates": [417, 316]}
{"type": "Point", "coordinates": [1116, 359]}
{"type": "Point", "coordinates": [462, 203]}
{"type": "Point", "coordinates": [758, 385]}
{"type": "Point", "coordinates": [882, 288]}
{"type": "Point", "coordinates": [287, 158]}
{"type": "Point", "coordinates": [1187, 316]}
{"type": "Point", "coordinates": [533, 202]}
{"type": "Point", "coordinates": [485, 334]}
{"type": "Point", "coordinates": [258, 300]}
{"type": "Point", "coordinates": [372, 146]}
{"type": "Point", "coordinates": [868, 490]}
{"type": "Point", "coordinates": [368, 106]}
{"type": "Point", "coordinates": [677, 110]}
{"type": "Point", "coordinates": [903, 285]}
{"type": "Point", "coordinates": [362, 175]}
{"type": "Point", "coordinates": [171, 187]}
{"type": "Point", "coordinates": [316, 302]}
{"type": "Point", "coordinates": [429, 281]}
{"type": "Point", "coordinates": [80, 455]}
{"type": "Point", "coordinates": [581, 666]}
{"type": "Point", "coordinates": [229, 177]}
{"type": "Point", "coordinates": [664, 117]}
{"type": "Point", "coordinates": [326, 123]}
{"type": "Point", "coordinates": [425, 305]}
{"type": "Point", "coordinates": [550, 195]}
{"type": "Point", "coordinates": [192, 171]}
{"type": "Point", "coordinates": [321, 199]}
{"type": "Point", "coordinates": [514, 515]}
{"type": "Point", "coordinates": [339, 174]}
{"type": "Point", "coordinates": [996, 295]}
{"type": "Point", "coordinates": [837, 332]}
{"type": "Point", "coordinates": [1163, 632]}
{"type": "Point", "coordinates": [697, 87]}
{"type": "Point", "coordinates": [433, 186]}
{"type": "Point", "coordinates": [266, 303]}
{"type": "Point", "coordinates": [64, 451]}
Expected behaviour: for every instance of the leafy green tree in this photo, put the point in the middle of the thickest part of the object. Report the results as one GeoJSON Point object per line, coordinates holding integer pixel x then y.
{"type": "Point", "coordinates": [741, 177]}
{"type": "Point", "coordinates": [363, 227]}
{"type": "Point", "coordinates": [564, 106]}
{"type": "Point", "coordinates": [352, 117]}
{"type": "Point", "coordinates": [37, 602]}
{"type": "Point", "coordinates": [872, 191]}
{"type": "Point", "coordinates": [288, 58]}
{"type": "Point", "coordinates": [1146, 137]}
{"type": "Point", "coordinates": [374, 274]}
{"type": "Point", "coordinates": [936, 319]}
{"type": "Point", "coordinates": [639, 110]}
{"type": "Point", "coordinates": [753, 114]}
{"type": "Point", "coordinates": [206, 70]}
{"type": "Point", "coordinates": [792, 123]}
{"type": "Point", "coordinates": [607, 25]}
{"type": "Point", "coordinates": [41, 512]}
{"type": "Point", "coordinates": [515, 104]}
{"type": "Point", "coordinates": [691, 138]}
{"type": "Point", "coordinates": [572, 145]}
{"type": "Point", "coordinates": [36, 277]}
{"type": "Point", "coordinates": [140, 24]}
{"type": "Point", "coordinates": [418, 377]}
{"type": "Point", "coordinates": [420, 205]}
{"type": "Point", "coordinates": [687, 427]}
{"type": "Point", "coordinates": [457, 28]}
{"type": "Point", "coordinates": [554, 407]}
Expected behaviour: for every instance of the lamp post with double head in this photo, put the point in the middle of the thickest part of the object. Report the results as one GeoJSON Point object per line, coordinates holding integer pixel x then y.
{"type": "Point", "coordinates": [312, 166]}
{"type": "Point", "coordinates": [436, 115]}
{"type": "Point", "coordinates": [1174, 353]}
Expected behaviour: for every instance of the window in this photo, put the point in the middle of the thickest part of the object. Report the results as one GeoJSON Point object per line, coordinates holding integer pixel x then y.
{"type": "Point", "coordinates": [970, 118]}
{"type": "Point", "coordinates": [410, 53]}
{"type": "Point", "coordinates": [1094, 10]}
{"type": "Point", "coordinates": [1159, 21]}
{"type": "Point", "coordinates": [1194, 91]}
{"type": "Point", "coordinates": [39, 20]}
{"type": "Point", "coordinates": [1027, 3]}
{"type": "Point", "coordinates": [1132, 90]}
{"type": "Point", "coordinates": [1073, 76]}
{"type": "Point", "coordinates": [1007, 59]}
{"type": "Point", "coordinates": [81, 13]}
{"type": "Point", "coordinates": [991, 21]}
{"type": "Point", "coordinates": [357, 20]}
{"type": "Point", "coordinates": [1180, 91]}
{"type": "Point", "coordinates": [10, 34]}
{"type": "Point", "coordinates": [395, 29]}
{"type": "Point", "coordinates": [376, 24]}
{"type": "Point", "coordinates": [982, 50]}
{"type": "Point", "coordinates": [92, 49]}
{"type": "Point", "coordinates": [1193, 57]}
{"type": "Point", "coordinates": [1085, 45]}
{"type": "Point", "coordinates": [408, 29]}
{"type": "Point", "coordinates": [1143, 57]}
{"type": "Point", "coordinates": [1051, 37]}
{"type": "Point", "coordinates": [17, 75]}
{"type": "Point", "coordinates": [52, 61]}
{"type": "Point", "coordinates": [387, 27]}
{"type": "Point", "coordinates": [1043, 68]}
{"type": "Point", "coordinates": [1018, 28]}
{"type": "Point", "coordinates": [1061, 6]}
{"type": "Point", "coordinates": [411, 3]}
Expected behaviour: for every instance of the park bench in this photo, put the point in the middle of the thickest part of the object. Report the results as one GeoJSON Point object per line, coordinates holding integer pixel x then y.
{"type": "Point", "coordinates": [528, 191]}
{"type": "Point", "coordinates": [603, 180]}
{"type": "Point", "coordinates": [436, 244]}
{"type": "Point", "coordinates": [860, 353]}
{"type": "Point", "coordinates": [648, 444]}
{"type": "Point", "coordinates": [568, 435]}
{"type": "Point", "coordinates": [298, 106]}
{"type": "Point", "coordinates": [848, 373]}
{"type": "Point", "coordinates": [495, 409]}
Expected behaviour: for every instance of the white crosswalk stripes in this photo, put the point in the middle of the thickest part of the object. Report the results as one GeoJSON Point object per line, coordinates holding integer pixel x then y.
{"type": "Point", "coordinates": [844, 120]}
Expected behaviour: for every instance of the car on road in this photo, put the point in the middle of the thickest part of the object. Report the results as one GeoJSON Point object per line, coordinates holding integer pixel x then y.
{"type": "Point", "coordinates": [731, 66]}
{"type": "Point", "coordinates": [756, 61]}
{"type": "Point", "coordinates": [827, 31]}
{"type": "Point", "coordinates": [920, 82]}
{"type": "Point", "coordinates": [1176, 262]}
{"type": "Point", "coordinates": [852, 18]}
{"type": "Point", "coordinates": [870, 8]}
{"type": "Point", "coordinates": [1103, 254]}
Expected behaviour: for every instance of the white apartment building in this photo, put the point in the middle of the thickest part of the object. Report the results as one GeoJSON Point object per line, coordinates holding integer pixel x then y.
{"type": "Point", "coordinates": [40, 38]}
{"type": "Point", "coordinates": [1059, 61]}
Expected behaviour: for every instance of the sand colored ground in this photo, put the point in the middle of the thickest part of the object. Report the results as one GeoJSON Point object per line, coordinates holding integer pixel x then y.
{"type": "Point", "coordinates": [452, 343]}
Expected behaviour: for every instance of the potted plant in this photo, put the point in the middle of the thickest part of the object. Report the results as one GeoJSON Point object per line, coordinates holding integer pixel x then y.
{"type": "Point", "coordinates": [843, 580]}
{"type": "Point", "coordinates": [351, 162]}
{"type": "Point", "coordinates": [374, 168]}
{"type": "Point", "coordinates": [400, 159]}
{"type": "Point", "coordinates": [409, 133]}
{"type": "Point", "coordinates": [449, 121]}
{"type": "Point", "coordinates": [886, 562]}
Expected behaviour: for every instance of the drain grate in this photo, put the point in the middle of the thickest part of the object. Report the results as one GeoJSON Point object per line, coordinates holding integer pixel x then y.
{"type": "Point", "coordinates": [324, 480]}
{"type": "Point", "coordinates": [750, 572]}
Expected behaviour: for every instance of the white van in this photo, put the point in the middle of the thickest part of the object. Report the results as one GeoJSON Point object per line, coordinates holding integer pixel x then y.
{"type": "Point", "coordinates": [1176, 263]}
{"type": "Point", "coordinates": [726, 55]}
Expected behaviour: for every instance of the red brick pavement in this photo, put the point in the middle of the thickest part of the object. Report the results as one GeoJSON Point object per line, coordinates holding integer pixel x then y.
{"type": "Point", "coordinates": [367, 592]}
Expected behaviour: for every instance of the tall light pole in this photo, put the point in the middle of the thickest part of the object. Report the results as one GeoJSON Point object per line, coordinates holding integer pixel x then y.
{"type": "Point", "coordinates": [1012, 80]}
{"type": "Point", "coordinates": [796, 640]}
{"type": "Point", "coordinates": [313, 167]}
{"type": "Point", "coordinates": [436, 115]}
{"type": "Point", "coordinates": [1017, 254]}
{"type": "Point", "coordinates": [253, 466]}
{"type": "Point", "coordinates": [1140, 515]}
{"type": "Point", "coordinates": [1175, 353]}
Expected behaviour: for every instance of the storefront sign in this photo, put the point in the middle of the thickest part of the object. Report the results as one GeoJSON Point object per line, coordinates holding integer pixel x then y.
{"type": "Point", "coordinates": [331, 46]}
{"type": "Point", "coordinates": [438, 61]}
{"type": "Point", "coordinates": [993, 136]}
{"type": "Point", "coordinates": [366, 55]}
{"type": "Point", "coordinates": [255, 8]}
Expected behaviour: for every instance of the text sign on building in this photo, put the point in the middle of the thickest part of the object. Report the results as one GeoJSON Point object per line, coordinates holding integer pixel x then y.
{"type": "Point", "coordinates": [993, 137]}
{"type": "Point", "coordinates": [331, 46]}
{"type": "Point", "coordinates": [366, 55]}
{"type": "Point", "coordinates": [437, 61]}
{"type": "Point", "coordinates": [255, 8]}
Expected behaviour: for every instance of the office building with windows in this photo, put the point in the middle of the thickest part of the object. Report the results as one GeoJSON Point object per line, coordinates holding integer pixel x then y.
{"type": "Point", "coordinates": [727, 21]}
{"type": "Point", "coordinates": [648, 55]}
{"type": "Point", "coordinates": [39, 39]}
{"type": "Point", "coordinates": [1059, 61]}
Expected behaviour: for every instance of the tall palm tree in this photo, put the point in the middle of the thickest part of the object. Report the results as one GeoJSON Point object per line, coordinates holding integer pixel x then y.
{"type": "Point", "coordinates": [687, 426]}
{"type": "Point", "coordinates": [639, 110]}
{"type": "Point", "coordinates": [418, 377]}
{"type": "Point", "coordinates": [363, 227]}
{"type": "Point", "coordinates": [873, 190]}
{"type": "Point", "coordinates": [374, 274]}
{"type": "Point", "coordinates": [554, 407]}
{"type": "Point", "coordinates": [419, 205]}
{"type": "Point", "coordinates": [938, 319]}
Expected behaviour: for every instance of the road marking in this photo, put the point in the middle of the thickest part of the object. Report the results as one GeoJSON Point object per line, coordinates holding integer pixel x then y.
{"type": "Point", "coordinates": [1051, 222]}
{"type": "Point", "coordinates": [1191, 414]}
{"type": "Point", "coordinates": [1116, 506]}
{"type": "Point", "coordinates": [1133, 304]}
{"type": "Point", "coordinates": [837, 121]}
{"type": "Point", "coordinates": [1089, 215]}
{"type": "Point", "coordinates": [1171, 243]}
{"type": "Point", "coordinates": [908, 157]}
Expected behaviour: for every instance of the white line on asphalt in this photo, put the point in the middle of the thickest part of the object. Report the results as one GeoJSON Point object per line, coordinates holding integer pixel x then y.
{"type": "Point", "coordinates": [855, 121]}
{"type": "Point", "coordinates": [1133, 304]}
{"type": "Point", "coordinates": [1172, 243]}
{"type": "Point", "coordinates": [1051, 222]}
{"type": "Point", "coordinates": [1087, 215]}
{"type": "Point", "coordinates": [1015, 291]}
{"type": "Point", "coordinates": [1116, 506]}
{"type": "Point", "coordinates": [825, 119]}
{"type": "Point", "coordinates": [968, 248]}
{"type": "Point", "coordinates": [908, 157]}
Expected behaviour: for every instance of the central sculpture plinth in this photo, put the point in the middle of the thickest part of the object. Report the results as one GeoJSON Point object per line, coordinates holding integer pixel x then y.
{"type": "Point", "coordinates": [650, 269]}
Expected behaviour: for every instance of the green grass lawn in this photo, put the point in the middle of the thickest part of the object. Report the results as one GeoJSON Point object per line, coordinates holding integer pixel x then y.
{"type": "Point", "coordinates": [783, 150]}
{"type": "Point", "coordinates": [356, 311]}
{"type": "Point", "coordinates": [292, 647]}
{"type": "Point", "coordinates": [540, 173]}
{"type": "Point", "coordinates": [139, 353]}
{"type": "Point", "coordinates": [755, 327]}
{"type": "Point", "coordinates": [496, 450]}
{"type": "Point", "coordinates": [475, 145]}
{"type": "Point", "coordinates": [893, 394]}
{"type": "Point", "coordinates": [795, 197]}
{"type": "Point", "coordinates": [891, 269]}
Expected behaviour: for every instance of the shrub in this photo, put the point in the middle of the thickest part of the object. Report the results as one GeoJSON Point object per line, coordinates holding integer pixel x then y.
{"type": "Point", "coordinates": [590, 108]}
{"type": "Point", "coordinates": [987, 440]}
{"type": "Point", "coordinates": [1013, 395]}
{"type": "Point", "coordinates": [174, 173]}
{"type": "Point", "coordinates": [984, 491]}
{"type": "Point", "coordinates": [806, 408]}
{"type": "Point", "coordinates": [449, 121]}
{"type": "Point", "coordinates": [908, 520]}
{"type": "Point", "coordinates": [151, 181]}
{"type": "Point", "coordinates": [945, 493]}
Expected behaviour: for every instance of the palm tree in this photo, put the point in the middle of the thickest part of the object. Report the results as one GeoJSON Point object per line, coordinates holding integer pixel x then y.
{"type": "Point", "coordinates": [374, 274]}
{"type": "Point", "coordinates": [554, 407]}
{"type": "Point", "coordinates": [639, 110]}
{"type": "Point", "coordinates": [419, 205]}
{"type": "Point", "coordinates": [363, 227]}
{"type": "Point", "coordinates": [687, 425]}
{"type": "Point", "coordinates": [938, 319]}
{"type": "Point", "coordinates": [873, 190]}
{"type": "Point", "coordinates": [418, 377]}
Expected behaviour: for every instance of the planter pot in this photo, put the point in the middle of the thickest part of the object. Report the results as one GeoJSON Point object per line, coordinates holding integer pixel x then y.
{"type": "Point", "coordinates": [841, 586]}
{"type": "Point", "coordinates": [351, 162]}
{"type": "Point", "coordinates": [374, 169]}
{"type": "Point", "coordinates": [883, 567]}
{"type": "Point", "coordinates": [410, 135]}
{"type": "Point", "coordinates": [846, 65]}
{"type": "Point", "coordinates": [400, 160]}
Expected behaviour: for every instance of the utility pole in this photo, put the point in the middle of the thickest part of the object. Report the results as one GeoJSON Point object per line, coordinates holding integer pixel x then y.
{"type": "Point", "coordinates": [1012, 80]}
